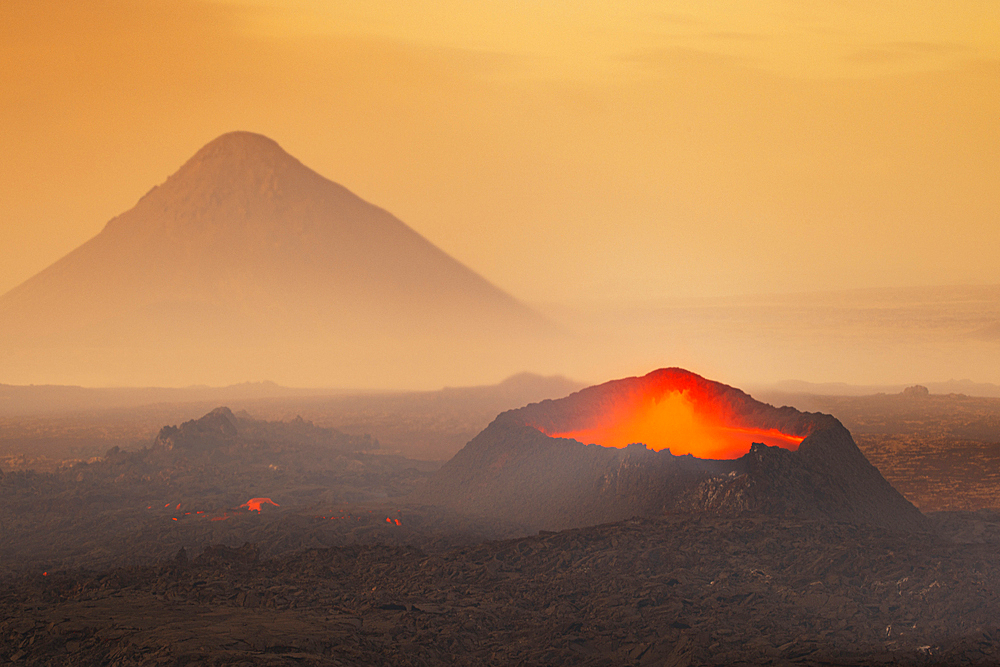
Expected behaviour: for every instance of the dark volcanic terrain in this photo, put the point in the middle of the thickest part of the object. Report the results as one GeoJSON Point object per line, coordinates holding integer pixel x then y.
{"type": "Point", "coordinates": [158, 556]}
{"type": "Point", "coordinates": [942, 451]}
{"type": "Point", "coordinates": [190, 489]}
{"type": "Point", "coordinates": [678, 590]}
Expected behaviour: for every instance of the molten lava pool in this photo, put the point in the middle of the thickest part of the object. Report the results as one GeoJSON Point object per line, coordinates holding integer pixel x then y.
{"type": "Point", "coordinates": [676, 419]}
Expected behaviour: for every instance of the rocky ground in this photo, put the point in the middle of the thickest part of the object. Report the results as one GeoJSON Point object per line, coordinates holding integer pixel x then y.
{"type": "Point", "coordinates": [938, 473]}
{"type": "Point", "coordinates": [673, 591]}
{"type": "Point", "coordinates": [941, 451]}
{"type": "Point", "coordinates": [91, 570]}
{"type": "Point", "coordinates": [189, 489]}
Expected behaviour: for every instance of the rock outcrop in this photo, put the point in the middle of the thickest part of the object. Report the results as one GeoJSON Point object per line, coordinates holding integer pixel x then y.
{"type": "Point", "coordinates": [221, 430]}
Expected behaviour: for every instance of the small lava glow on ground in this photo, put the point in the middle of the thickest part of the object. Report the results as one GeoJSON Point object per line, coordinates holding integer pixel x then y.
{"type": "Point", "coordinates": [675, 420]}
{"type": "Point", "coordinates": [254, 504]}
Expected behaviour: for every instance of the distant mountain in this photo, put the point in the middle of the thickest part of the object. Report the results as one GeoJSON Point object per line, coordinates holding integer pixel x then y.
{"type": "Point", "coordinates": [245, 264]}
{"type": "Point", "coordinates": [793, 387]}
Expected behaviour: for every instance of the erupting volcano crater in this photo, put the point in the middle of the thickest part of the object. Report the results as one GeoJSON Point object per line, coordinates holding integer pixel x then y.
{"type": "Point", "coordinates": [668, 441]}
{"type": "Point", "coordinates": [675, 410]}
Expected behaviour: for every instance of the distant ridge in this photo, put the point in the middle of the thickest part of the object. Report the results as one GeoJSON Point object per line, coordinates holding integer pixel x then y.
{"type": "Point", "coordinates": [246, 263]}
{"type": "Point", "coordinates": [967, 387]}
{"type": "Point", "coordinates": [33, 400]}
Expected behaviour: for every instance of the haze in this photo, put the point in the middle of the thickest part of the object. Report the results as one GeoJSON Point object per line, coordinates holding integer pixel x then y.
{"type": "Point", "coordinates": [646, 176]}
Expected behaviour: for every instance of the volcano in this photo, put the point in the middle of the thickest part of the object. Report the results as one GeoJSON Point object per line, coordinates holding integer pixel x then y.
{"type": "Point", "coordinates": [668, 441]}
{"type": "Point", "coordinates": [245, 263]}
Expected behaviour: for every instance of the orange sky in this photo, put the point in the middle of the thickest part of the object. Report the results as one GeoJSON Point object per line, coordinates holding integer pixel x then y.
{"type": "Point", "coordinates": [565, 150]}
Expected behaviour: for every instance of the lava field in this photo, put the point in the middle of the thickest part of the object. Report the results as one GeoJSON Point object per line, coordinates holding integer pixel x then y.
{"type": "Point", "coordinates": [235, 541]}
{"type": "Point", "coordinates": [678, 590]}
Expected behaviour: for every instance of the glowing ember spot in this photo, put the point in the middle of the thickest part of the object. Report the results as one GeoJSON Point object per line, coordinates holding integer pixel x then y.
{"type": "Point", "coordinates": [173, 518]}
{"type": "Point", "coordinates": [398, 523]}
{"type": "Point", "coordinates": [672, 420]}
{"type": "Point", "coordinates": [254, 504]}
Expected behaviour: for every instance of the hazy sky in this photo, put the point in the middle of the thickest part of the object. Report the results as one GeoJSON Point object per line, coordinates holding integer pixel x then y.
{"type": "Point", "coordinates": [565, 150]}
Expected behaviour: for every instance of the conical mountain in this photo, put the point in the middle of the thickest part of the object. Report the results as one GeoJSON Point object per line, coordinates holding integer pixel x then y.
{"type": "Point", "coordinates": [245, 264]}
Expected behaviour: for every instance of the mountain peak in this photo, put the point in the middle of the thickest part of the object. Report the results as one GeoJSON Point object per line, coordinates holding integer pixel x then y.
{"type": "Point", "coordinates": [235, 178]}
{"type": "Point", "coordinates": [240, 155]}
{"type": "Point", "coordinates": [241, 144]}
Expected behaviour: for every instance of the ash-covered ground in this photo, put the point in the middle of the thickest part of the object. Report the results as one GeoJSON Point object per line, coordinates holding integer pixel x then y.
{"type": "Point", "coordinates": [190, 489]}
{"type": "Point", "coordinates": [677, 590]}
{"type": "Point", "coordinates": [93, 570]}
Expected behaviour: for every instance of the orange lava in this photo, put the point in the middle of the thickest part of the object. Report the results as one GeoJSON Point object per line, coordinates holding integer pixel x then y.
{"type": "Point", "coordinates": [254, 504]}
{"type": "Point", "coordinates": [675, 419]}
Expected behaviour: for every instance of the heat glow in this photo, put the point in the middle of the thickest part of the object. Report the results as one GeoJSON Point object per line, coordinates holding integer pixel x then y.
{"type": "Point", "coordinates": [254, 504]}
{"type": "Point", "coordinates": [674, 420]}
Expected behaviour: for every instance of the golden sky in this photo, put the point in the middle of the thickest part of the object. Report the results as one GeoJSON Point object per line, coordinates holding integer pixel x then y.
{"type": "Point", "coordinates": [564, 150]}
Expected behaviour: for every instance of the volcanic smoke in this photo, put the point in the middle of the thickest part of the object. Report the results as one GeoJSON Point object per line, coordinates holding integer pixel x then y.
{"type": "Point", "coordinates": [678, 419]}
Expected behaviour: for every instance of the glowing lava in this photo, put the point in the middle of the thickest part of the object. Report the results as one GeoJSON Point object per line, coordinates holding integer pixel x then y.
{"type": "Point", "coordinates": [670, 418]}
{"type": "Point", "coordinates": [254, 504]}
